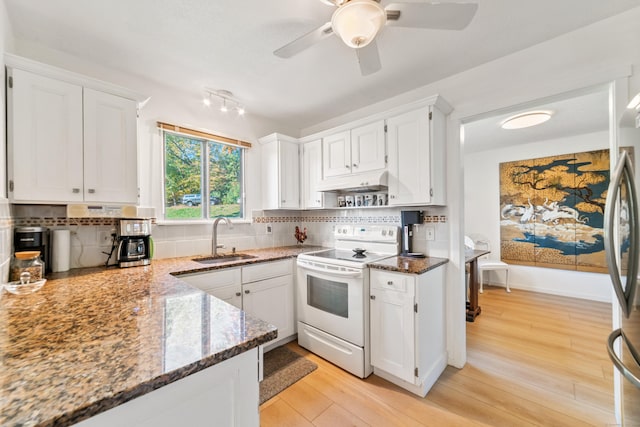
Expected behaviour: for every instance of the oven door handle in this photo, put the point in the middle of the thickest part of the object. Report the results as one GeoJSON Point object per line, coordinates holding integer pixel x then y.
{"type": "Point", "coordinates": [340, 273]}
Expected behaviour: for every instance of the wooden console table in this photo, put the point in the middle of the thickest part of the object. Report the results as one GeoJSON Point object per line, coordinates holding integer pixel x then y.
{"type": "Point", "coordinates": [471, 258]}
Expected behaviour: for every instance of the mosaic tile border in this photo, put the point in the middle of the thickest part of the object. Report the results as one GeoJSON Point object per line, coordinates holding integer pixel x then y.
{"type": "Point", "coordinates": [386, 219]}
{"type": "Point", "coordinates": [64, 222]}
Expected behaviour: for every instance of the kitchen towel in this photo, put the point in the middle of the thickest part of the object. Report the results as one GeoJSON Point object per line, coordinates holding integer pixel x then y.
{"type": "Point", "coordinates": [61, 250]}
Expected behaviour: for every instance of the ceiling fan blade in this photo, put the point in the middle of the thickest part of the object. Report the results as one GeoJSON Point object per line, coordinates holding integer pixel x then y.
{"type": "Point", "coordinates": [304, 42]}
{"type": "Point", "coordinates": [369, 58]}
{"type": "Point", "coordinates": [438, 16]}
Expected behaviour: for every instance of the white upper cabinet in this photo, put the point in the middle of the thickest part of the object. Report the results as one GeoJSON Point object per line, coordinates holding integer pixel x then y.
{"type": "Point", "coordinates": [336, 154]}
{"type": "Point", "coordinates": [360, 149]}
{"type": "Point", "coordinates": [110, 140]}
{"type": "Point", "coordinates": [416, 166]}
{"type": "Point", "coordinates": [280, 172]}
{"type": "Point", "coordinates": [45, 139]}
{"type": "Point", "coordinates": [368, 148]}
{"type": "Point", "coordinates": [311, 174]}
{"type": "Point", "coordinates": [68, 143]}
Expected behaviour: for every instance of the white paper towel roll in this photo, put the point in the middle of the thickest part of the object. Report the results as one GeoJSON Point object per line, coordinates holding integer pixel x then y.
{"type": "Point", "coordinates": [60, 250]}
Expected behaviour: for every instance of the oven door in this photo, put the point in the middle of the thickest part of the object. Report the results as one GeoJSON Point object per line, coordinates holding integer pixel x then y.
{"type": "Point", "coordinates": [331, 298]}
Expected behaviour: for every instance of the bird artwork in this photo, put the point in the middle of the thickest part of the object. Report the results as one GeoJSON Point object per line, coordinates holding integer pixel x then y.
{"type": "Point", "coordinates": [301, 235]}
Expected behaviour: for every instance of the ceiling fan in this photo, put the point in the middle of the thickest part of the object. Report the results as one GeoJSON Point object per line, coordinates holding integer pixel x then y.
{"type": "Point", "coordinates": [357, 22]}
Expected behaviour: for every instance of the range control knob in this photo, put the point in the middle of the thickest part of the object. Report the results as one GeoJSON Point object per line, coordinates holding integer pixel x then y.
{"type": "Point", "coordinates": [390, 233]}
{"type": "Point", "coordinates": [384, 232]}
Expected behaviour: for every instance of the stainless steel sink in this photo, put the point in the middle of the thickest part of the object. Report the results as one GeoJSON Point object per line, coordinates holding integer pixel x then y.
{"type": "Point", "coordinates": [223, 258]}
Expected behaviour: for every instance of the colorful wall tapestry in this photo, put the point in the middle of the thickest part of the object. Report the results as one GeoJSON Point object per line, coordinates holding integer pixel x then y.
{"type": "Point", "coordinates": [552, 211]}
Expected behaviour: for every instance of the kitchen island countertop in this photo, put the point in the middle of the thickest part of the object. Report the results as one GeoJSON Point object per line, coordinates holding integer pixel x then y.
{"type": "Point", "coordinates": [400, 264]}
{"type": "Point", "coordinates": [94, 338]}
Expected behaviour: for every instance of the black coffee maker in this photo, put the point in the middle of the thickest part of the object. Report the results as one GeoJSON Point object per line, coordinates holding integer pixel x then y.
{"type": "Point", "coordinates": [135, 242]}
{"type": "Point", "coordinates": [33, 239]}
{"type": "Point", "coordinates": [409, 219]}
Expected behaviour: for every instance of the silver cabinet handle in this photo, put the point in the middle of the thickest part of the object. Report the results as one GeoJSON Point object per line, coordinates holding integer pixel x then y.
{"type": "Point", "coordinates": [247, 291]}
{"type": "Point", "coordinates": [346, 166]}
{"type": "Point", "coordinates": [355, 165]}
{"type": "Point", "coordinates": [75, 190]}
{"type": "Point", "coordinates": [622, 173]}
{"type": "Point", "coordinates": [238, 294]}
{"type": "Point", "coordinates": [616, 360]}
{"type": "Point", "coordinates": [92, 191]}
{"type": "Point", "coordinates": [372, 297]}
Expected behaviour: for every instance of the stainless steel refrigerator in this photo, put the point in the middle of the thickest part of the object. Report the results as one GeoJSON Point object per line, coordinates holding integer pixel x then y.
{"type": "Point", "coordinates": [621, 245]}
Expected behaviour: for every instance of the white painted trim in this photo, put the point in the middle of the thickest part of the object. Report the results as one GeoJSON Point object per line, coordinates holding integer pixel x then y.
{"type": "Point", "coordinates": [436, 100]}
{"type": "Point", "coordinates": [14, 61]}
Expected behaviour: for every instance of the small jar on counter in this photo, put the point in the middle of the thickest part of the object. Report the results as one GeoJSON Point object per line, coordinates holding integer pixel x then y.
{"type": "Point", "coordinates": [26, 262]}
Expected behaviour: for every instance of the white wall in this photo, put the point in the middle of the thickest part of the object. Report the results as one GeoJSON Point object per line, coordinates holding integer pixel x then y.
{"type": "Point", "coordinates": [482, 213]}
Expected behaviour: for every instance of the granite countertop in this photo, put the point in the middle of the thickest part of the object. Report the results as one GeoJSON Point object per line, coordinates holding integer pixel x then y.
{"type": "Point", "coordinates": [94, 338]}
{"type": "Point", "coordinates": [409, 265]}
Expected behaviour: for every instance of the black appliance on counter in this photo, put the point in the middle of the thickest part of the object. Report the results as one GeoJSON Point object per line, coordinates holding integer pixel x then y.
{"type": "Point", "coordinates": [134, 242]}
{"type": "Point", "coordinates": [33, 239]}
{"type": "Point", "coordinates": [409, 219]}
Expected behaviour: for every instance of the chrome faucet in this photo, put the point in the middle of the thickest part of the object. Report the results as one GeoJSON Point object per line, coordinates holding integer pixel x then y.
{"type": "Point", "coordinates": [214, 235]}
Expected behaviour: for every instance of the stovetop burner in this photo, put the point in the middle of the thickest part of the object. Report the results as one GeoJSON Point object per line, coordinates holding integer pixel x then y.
{"type": "Point", "coordinates": [359, 253]}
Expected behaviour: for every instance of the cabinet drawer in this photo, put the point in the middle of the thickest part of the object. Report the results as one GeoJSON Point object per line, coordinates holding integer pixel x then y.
{"type": "Point", "coordinates": [391, 281]}
{"type": "Point", "coordinates": [213, 279]}
{"type": "Point", "coordinates": [266, 270]}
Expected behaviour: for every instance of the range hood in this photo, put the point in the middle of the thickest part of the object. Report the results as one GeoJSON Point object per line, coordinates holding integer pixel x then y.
{"type": "Point", "coordinates": [355, 183]}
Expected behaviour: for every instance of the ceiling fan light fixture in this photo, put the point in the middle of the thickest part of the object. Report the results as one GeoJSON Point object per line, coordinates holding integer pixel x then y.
{"type": "Point", "coordinates": [525, 120]}
{"type": "Point", "coordinates": [358, 21]}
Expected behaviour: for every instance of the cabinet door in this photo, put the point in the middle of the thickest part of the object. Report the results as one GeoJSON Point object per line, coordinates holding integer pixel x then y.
{"type": "Point", "coordinates": [110, 148]}
{"type": "Point", "coordinates": [272, 301]}
{"type": "Point", "coordinates": [312, 174]}
{"type": "Point", "coordinates": [409, 158]}
{"type": "Point", "coordinates": [45, 139]}
{"type": "Point", "coordinates": [393, 332]}
{"type": "Point", "coordinates": [368, 147]}
{"type": "Point", "coordinates": [270, 174]}
{"type": "Point", "coordinates": [231, 294]}
{"type": "Point", "coordinates": [336, 154]}
{"type": "Point", "coordinates": [289, 175]}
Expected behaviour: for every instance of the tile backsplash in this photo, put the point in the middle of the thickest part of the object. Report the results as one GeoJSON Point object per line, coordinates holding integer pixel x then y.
{"type": "Point", "coordinates": [266, 229]}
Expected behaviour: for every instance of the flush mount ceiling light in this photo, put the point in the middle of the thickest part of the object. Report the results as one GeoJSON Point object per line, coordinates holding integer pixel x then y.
{"type": "Point", "coordinates": [358, 21]}
{"type": "Point", "coordinates": [525, 120]}
{"type": "Point", "coordinates": [634, 103]}
{"type": "Point", "coordinates": [227, 101]}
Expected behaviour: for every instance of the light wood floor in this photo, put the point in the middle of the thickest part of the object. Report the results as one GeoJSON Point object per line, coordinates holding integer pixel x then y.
{"type": "Point", "coordinates": [533, 360]}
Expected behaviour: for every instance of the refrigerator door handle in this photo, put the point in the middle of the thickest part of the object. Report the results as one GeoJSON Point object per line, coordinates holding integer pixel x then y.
{"type": "Point", "coordinates": [626, 294]}
{"type": "Point", "coordinates": [616, 360]}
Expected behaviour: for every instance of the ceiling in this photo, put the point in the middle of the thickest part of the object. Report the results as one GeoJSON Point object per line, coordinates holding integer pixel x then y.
{"type": "Point", "coordinates": [571, 115]}
{"type": "Point", "coordinates": [229, 44]}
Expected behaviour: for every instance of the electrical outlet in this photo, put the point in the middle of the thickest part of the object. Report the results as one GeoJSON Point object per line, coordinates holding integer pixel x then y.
{"type": "Point", "coordinates": [269, 229]}
{"type": "Point", "coordinates": [104, 237]}
{"type": "Point", "coordinates": [430, 232]}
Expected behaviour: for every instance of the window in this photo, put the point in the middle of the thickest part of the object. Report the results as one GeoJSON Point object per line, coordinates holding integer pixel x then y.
{"type": "Point", "coordinates": [203, 177]}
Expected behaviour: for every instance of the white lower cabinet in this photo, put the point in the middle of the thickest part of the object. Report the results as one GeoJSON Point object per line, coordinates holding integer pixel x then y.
{"type": "Point", "coordinates": [226, 394]}
{"type": "Point", "coordinates": [408, 328]}
{"type": "Point", "coordinates": [263, 290]}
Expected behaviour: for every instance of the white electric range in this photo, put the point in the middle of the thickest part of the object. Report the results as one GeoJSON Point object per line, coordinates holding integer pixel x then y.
{"type": "Point", "coordinates": [333, 294]}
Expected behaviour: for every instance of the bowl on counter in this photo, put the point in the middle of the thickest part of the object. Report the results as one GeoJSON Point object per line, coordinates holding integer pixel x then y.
{"type": "Point", "coordinates": [24, 288]}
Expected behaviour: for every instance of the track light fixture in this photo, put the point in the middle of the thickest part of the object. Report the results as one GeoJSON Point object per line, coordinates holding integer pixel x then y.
{"type": "Point", "coordinates": [227, 101]}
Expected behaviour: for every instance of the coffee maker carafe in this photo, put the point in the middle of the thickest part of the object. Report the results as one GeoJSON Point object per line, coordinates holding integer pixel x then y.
{"type": "Point", "coordinates": [134, 247]}
{"type": "Point", "coordinates": [409, 219]}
